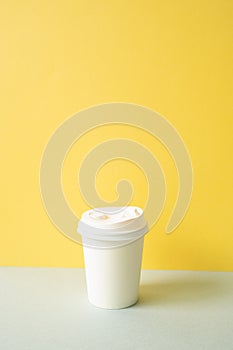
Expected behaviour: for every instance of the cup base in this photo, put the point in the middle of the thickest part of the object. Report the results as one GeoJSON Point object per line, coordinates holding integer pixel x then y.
{"type": "Point", "coordinates": [113, 307]}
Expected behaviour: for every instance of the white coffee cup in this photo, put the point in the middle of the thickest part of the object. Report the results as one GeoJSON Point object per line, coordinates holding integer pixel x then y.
{"type": "Point", "coordinates": [113, 240]}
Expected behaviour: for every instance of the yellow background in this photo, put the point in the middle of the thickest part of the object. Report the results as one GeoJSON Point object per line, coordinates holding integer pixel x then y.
{"type": "Point", "coordinates": [58, 57]}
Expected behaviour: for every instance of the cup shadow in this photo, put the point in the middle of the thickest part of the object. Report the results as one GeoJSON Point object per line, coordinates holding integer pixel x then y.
{"type": "Point", "coordinates": [179, 291]}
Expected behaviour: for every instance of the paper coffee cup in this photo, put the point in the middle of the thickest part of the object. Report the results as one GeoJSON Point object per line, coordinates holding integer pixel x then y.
{"type": "Point", "coordinates": [113, 240]}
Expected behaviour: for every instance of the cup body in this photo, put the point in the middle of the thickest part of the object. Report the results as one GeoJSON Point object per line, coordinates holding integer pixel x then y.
{"type": "Point", "coordinates": [113, 275]}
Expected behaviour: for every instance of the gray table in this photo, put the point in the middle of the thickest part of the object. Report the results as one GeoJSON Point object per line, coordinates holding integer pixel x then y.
{"type": "Point", "coordinates": [47, 308]}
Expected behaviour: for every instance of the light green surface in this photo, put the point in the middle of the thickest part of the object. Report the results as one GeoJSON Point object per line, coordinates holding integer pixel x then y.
{"type": "Point", "coordinates": [48, 309]}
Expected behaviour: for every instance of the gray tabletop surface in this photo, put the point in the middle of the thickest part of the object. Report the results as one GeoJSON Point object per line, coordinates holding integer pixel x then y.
{"type": "Point", "coordinates": [47, 308]}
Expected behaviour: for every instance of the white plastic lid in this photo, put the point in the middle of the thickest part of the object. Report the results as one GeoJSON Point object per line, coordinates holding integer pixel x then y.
{"type": "Point", "coordinates": [112, 226]}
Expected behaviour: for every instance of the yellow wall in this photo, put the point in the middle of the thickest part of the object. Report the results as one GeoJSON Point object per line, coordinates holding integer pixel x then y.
{"type": "Point", "coordinates": [58, 57]}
